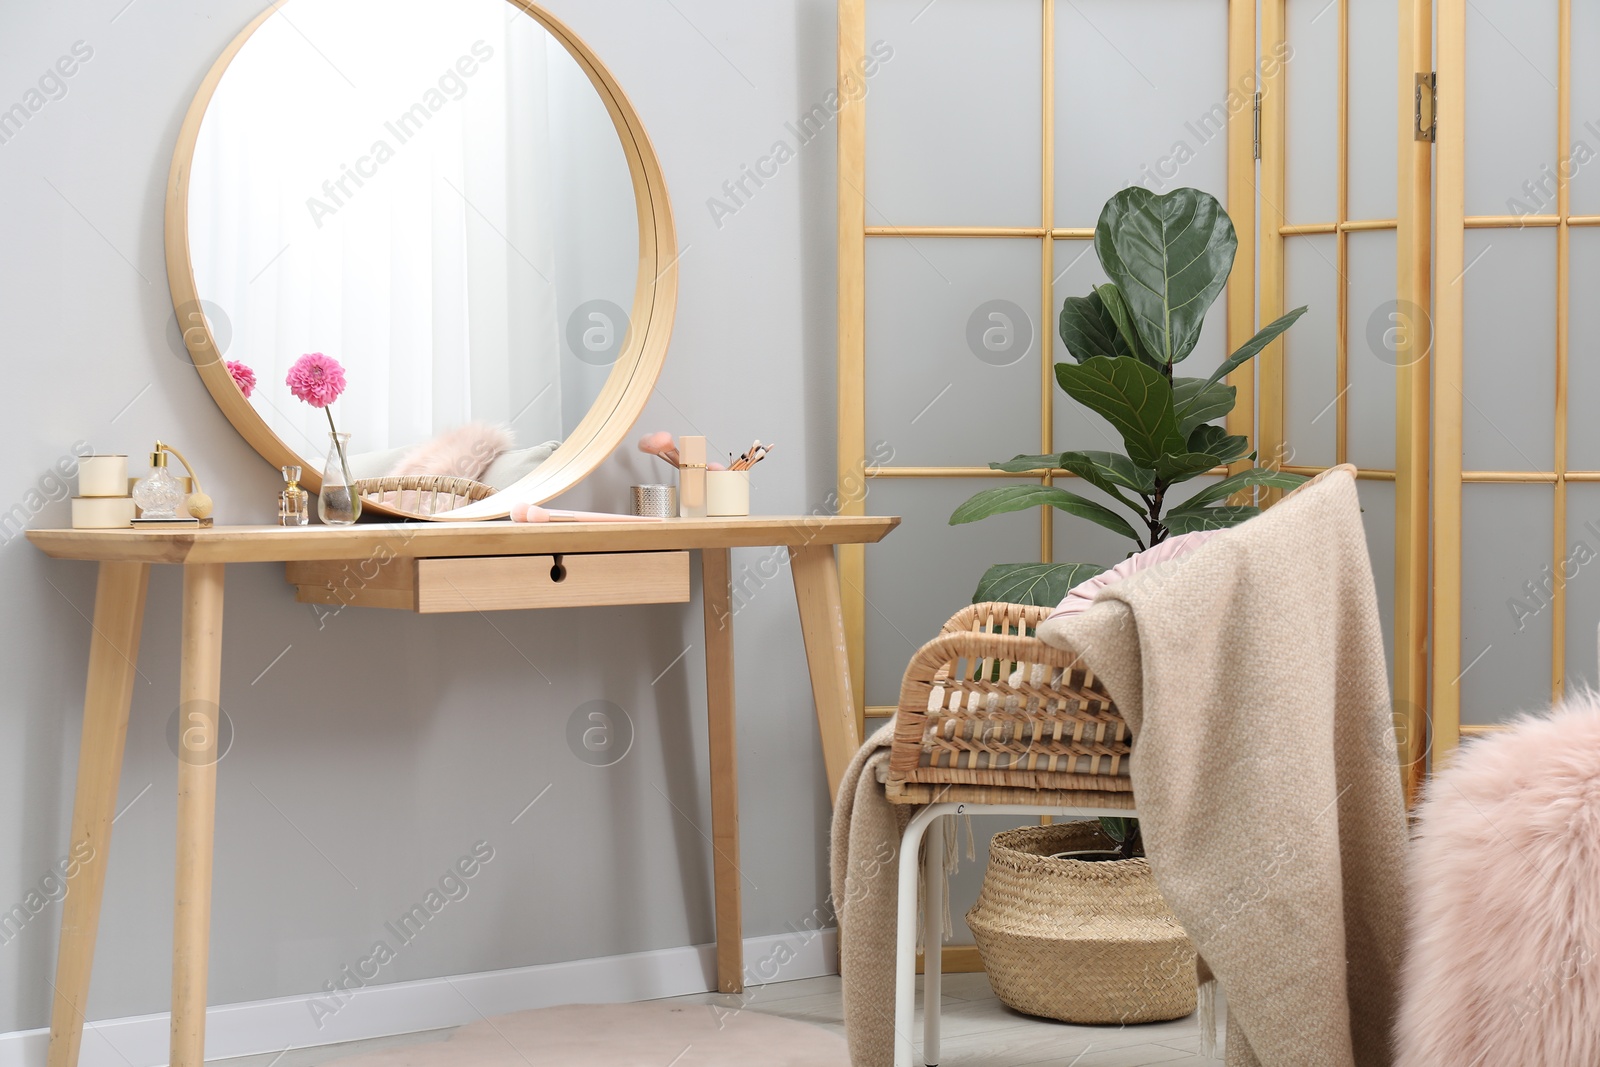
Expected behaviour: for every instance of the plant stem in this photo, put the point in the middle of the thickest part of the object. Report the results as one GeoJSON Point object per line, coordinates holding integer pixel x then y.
{"type": "Point", "coordinates": [1158, 530]}
{"type": "Point", "coordinates": [1132, 846]}
{"type": "Point", "coordinates": [338, 447]}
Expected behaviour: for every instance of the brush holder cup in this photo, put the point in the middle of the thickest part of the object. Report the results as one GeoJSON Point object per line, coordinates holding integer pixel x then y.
{"type": "Point", "coordinates": [727, 492]}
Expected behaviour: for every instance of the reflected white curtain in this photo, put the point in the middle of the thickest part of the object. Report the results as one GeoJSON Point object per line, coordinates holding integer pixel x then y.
{"type": "Point", "coordinates": [405, 232]}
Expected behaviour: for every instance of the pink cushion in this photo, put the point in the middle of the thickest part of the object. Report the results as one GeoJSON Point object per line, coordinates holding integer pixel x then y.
{"type": "Point", "coordinates": [463, 452]}
{"type": "Point", "coordinates": [1080, 596]}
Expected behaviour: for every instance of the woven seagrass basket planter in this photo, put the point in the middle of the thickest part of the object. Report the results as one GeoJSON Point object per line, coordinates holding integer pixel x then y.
{"type": "Point", "coordinates": [1079, 941]}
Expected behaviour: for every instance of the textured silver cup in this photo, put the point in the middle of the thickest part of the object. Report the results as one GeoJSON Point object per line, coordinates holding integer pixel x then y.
{"type": "Point", "coordinates": [655, 501]}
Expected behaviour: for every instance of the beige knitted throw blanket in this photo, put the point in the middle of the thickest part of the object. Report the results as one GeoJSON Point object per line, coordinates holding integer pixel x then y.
{"type": "Point", "coordinates": [865, 850]}
{"type": "Point", "coordinates": [1252, 673]}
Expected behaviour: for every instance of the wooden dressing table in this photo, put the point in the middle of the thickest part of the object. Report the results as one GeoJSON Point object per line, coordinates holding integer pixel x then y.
{"type": "Point", "coordinates": [427, 567]}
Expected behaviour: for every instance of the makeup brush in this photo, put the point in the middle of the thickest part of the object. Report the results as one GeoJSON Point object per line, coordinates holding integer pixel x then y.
{"type": "Point", "coordinates": [660, 444]}
{"type": "Point", "coordinates": [534, 513]}
{"type": "Point", "coordinates": [756, 455]}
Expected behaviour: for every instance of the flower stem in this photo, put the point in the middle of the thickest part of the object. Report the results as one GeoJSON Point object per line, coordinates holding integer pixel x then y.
{"type": "Point", "coordinates": [338, 446]}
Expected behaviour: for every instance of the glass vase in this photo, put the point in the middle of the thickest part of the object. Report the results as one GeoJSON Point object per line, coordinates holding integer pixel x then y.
{"type": "Point", "coordinates": [337, 503]}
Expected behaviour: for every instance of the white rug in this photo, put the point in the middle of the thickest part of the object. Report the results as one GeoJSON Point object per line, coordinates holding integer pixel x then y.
{"type": "Point", "coordinates": [648, 1034]}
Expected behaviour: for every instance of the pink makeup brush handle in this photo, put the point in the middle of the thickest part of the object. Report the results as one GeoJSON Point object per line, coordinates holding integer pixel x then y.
{"type": "Point", "coordinates": [534, 513]}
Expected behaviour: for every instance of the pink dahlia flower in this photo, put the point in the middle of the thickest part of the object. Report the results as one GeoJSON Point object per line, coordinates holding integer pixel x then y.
{"type": "Point", "coordinates": [317, 379]}
{"type": "Point", "coordinates": [243, 377]}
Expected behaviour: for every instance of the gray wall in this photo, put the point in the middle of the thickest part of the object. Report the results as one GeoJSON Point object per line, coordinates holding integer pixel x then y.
{"type": "Point", "coordinates": [381, 745]}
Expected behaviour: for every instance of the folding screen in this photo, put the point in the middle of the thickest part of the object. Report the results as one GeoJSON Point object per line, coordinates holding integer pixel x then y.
{"type": "Point", "coordinates": [1517, 471]}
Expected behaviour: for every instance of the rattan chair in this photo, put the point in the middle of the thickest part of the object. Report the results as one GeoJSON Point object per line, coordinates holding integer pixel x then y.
{"type": "Point", "coordinates": [991, 721]}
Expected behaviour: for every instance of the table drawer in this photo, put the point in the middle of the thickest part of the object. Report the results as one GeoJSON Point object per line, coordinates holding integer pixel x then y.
{"type": "Point", "coordinates": [496, 583]}
{"type": "Point", "coordinates": [504, 583]}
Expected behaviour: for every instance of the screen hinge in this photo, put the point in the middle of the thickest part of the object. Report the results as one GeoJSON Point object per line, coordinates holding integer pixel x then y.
{"type": "Point", "coordinates": [1427, 118]}
{"type": "Point", "coordinates": [1257, 134]}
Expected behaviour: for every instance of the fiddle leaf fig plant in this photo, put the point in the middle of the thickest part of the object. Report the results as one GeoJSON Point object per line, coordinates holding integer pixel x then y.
{"type": "Point", "coordinates": [1167, 258]}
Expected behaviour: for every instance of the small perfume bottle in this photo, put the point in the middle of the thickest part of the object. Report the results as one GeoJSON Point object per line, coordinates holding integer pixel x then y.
{"type": "Point", "coordinates": [158, 493]}
{"type": "Point", "coordinates": [293, 506]}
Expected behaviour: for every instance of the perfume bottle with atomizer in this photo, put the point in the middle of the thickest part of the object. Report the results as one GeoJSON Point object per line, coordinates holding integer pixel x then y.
{"type": "Point", "coordinates": [160, 494]}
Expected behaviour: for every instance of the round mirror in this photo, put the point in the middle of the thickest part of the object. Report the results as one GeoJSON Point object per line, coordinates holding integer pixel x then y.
{"type": "Point", "coordinates": [455, 203]}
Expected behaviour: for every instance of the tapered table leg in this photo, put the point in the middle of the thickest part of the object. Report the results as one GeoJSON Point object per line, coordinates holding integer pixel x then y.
{"type": "Point", "coordinates": [816, 590]}
{"type": "Point", "coordinates": [199, 708]}
{"type": "Point", "coordinates": [717, 595]}
{"type": "Point", "coordinates": [113, 664]}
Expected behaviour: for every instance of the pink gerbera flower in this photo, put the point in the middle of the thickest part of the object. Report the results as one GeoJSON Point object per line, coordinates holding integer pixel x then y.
{"type": "Point", "coordinates": [317, 379]}
{"type": "Point", "coordinates": [243, 377]}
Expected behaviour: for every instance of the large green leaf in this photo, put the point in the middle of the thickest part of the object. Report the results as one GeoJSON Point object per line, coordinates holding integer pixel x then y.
{"type": "Point", "coordinates": [1117, 308]}
{"type": "Point", "coordinates": [1088, 330]}
{"type": "Point", "coordinates": [1104, 471]}
{"type": "Point", "coordinates": [1113, 467]}
{"type": "Point", "coordinates": [1197, 401]}
{"type": "Point", "coordinates": [1024, 464]}
{"type": "Point", "coordinates": [1118, 827]}
{"type": "Point", "coordinates": [1217, 443]}
{"type": "Point", "coordinates": [1243, 480]}
{"type": "Point", "coordinates": [1181, 466]}
{"type": "Point", "coordinates": [1185, 521]}
{"type": "Point", "coordinates": [1020, 497]}
{"type": "Point", "coordinates": [1251, 348]}
{"type": "Point", "coordinates": [1169, 256]}
{"type": "Point", "coordinates": [1133, 397]}
{"type": "Point", "coordinates": [1208, 446]}
{"type": "Point", "coordinates": [1032, 583]}
{"type": "Point", "coordinates": [1110, 472]}
{"type": "Point", "coordinates": [1104, 479]}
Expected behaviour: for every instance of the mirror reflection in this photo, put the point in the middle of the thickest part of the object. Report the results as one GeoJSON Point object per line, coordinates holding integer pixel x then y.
{"type": "Point", "coordinates": [434, 195]}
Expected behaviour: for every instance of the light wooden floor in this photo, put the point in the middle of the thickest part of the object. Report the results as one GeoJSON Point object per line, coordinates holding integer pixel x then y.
{"type": "Point", "coordinates": [978, 1031]}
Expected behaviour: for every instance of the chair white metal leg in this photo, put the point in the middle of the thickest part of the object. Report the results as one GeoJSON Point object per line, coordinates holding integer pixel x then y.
{"type": "Point", "coordinates": [905, 970]}
{"type": "Point", "coordinates": [932, 939]}
{"type": "Point", "coordinates": [924, 824]}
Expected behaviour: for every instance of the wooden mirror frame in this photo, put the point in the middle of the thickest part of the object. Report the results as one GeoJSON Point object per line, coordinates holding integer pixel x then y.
{"type": "Point", "coordinates": [627, 387]}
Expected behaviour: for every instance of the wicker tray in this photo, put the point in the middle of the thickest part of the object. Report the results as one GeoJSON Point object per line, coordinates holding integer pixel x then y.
{"type": "Point", "coordinates": [422, 494]}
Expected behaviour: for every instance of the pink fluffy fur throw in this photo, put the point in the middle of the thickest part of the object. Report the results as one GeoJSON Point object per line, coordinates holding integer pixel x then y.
{"type": "Point", "coordinates": [464, 452]}
{"type": "Point", "coordinates": [1504, 962]}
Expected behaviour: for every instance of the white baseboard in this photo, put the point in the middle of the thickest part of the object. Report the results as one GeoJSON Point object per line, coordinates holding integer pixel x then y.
{"type": "Point", "coordinates": [269, 1026]}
